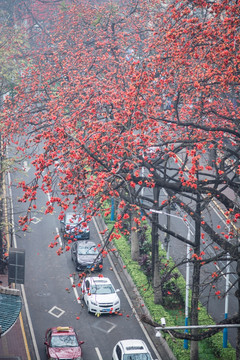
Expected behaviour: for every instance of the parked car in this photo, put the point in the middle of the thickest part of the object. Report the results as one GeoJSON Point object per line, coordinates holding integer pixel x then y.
{"type": "Point", "coordinates": [100, 295]}
{"type": "Point", "coordinates": [85, 255]}
{"type": "Point", "coordinates": [131, 349]}
{"type": "Point", "coordinates": [74, 227]}
{"type": "Point", "coordinates": [62, 343]}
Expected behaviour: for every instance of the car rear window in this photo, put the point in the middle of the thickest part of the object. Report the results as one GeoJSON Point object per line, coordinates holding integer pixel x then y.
{"type": "Point", "coordinates": [73, 219]}
{"type": "Point", "coordinates": [86, 250]}
{"type": "Point", "coordinates": [137, 357]}
{"type": "Point", "coordinates": [102, 289]}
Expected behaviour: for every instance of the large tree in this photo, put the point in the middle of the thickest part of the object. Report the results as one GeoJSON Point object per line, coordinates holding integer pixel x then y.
{"type": "Point", "coordinates": [128, 97]}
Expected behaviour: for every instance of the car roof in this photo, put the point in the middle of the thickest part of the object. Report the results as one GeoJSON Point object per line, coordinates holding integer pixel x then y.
{"type": "Point", "coordinates": [133, 346]}
{"type": "Point", "coordinates": [63, 330]}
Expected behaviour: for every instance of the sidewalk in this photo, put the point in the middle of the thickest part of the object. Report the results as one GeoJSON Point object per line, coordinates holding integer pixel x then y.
{"type": "Point", "coordinates": [12, 343]}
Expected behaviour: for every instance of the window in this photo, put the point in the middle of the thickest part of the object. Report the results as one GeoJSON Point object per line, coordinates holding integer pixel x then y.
{"type": "Point", "coordinates": [102, 289]}
{"type": "Point", "coordinates": [64, 341]}
{"type": "Point", "coordinates": [119, 352]}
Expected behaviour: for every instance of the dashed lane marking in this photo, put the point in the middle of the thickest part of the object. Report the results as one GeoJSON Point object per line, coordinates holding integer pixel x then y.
{"type": "Point", "coordinates": [98, 353]}
{"type": "Point", "coordinates": [75, 291]}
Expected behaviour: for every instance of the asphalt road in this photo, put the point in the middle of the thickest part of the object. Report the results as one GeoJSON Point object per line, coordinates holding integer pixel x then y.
{"type": "Point", "coordinates": [51, 298]}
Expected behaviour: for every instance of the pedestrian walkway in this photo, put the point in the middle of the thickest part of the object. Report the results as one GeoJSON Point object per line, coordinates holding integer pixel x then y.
{"type": "Point", "coordinates": [13, 342]}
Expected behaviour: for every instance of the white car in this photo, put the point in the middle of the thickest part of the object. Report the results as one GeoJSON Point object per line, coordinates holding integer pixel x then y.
{"type": "Point", "coordinates": [131, 349]}
{"type": "Point", "coordinates": [100, 295]}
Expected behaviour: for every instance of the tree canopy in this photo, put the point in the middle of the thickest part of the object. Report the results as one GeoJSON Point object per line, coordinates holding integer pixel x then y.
{"type": "Point", "coordinates": [127, 96]}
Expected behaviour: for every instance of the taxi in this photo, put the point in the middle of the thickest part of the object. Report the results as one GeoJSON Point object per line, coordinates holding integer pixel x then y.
{"type": "Point", "coordinates": [62, 343]}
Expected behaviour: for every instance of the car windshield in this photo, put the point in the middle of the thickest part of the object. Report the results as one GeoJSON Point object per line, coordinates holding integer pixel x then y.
{"type": "Point", "coordinates": [137, 357]}
{"type": "Point", "coordinates": [64, 341]}
{"type": "Point", "coordinates": [102, 289]}
{"type": "Point", "coordinates": [87, 250]}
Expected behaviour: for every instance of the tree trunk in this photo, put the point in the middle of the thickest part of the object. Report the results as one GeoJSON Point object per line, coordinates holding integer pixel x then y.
{"type": "Point", "coordinates": [196, 282]}
{"type": "Point", "coordinates": [155, 251]}
{"type": "Point", "coordinates": [155, 262]}
{"type": "Point", "coordinates": [194, 307]}
{"type": "Point", "coordinates": [238, 297]}
{"type": "Point", "coordinates": [1, 210]}
{"type": "Point", "coordinates": [134, 243]}
{"type": "Point", "coordinates": [158, 297]}
{"type": "Point", "coordinates": [212, 154]}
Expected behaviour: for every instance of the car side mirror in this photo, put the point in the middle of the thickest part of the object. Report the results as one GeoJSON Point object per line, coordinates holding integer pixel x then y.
{"type": "Point", "coordinates": [81, 342]}
{"type": "Point", "coordinates": [117, 290]}
{"type": "Point", "coordinates": [46, 343]}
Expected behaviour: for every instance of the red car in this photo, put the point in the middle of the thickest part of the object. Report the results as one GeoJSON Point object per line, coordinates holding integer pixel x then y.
{"type": "Point", "coordinates": [62, 343]}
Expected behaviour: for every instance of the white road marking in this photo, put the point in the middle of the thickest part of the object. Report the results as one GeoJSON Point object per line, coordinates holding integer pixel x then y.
{"type": "Point", "coordinates": [35, 220]}
{"type": "Point", "coordinates": [25, 166]}
{"type": "Point", "coordinates": [49, 197]}
{"type": "Point", "coordinates": [56, 311]}
{"type": "Point", "coordinates": [98, 353]}
{"type": "Point", "coordinates": [75, 291]}
{"type": "Point", "coordinates": [59, 237]}
{"type": "Point", "coordinates": [100, 326]}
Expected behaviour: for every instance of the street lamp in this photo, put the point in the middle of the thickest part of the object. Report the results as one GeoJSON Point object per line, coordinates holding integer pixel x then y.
{"type": "Point", "coordinates": [185, 345]}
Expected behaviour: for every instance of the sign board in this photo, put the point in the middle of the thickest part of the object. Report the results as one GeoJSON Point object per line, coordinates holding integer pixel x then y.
{"type": "Point", "coordinates": [16, 266]}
